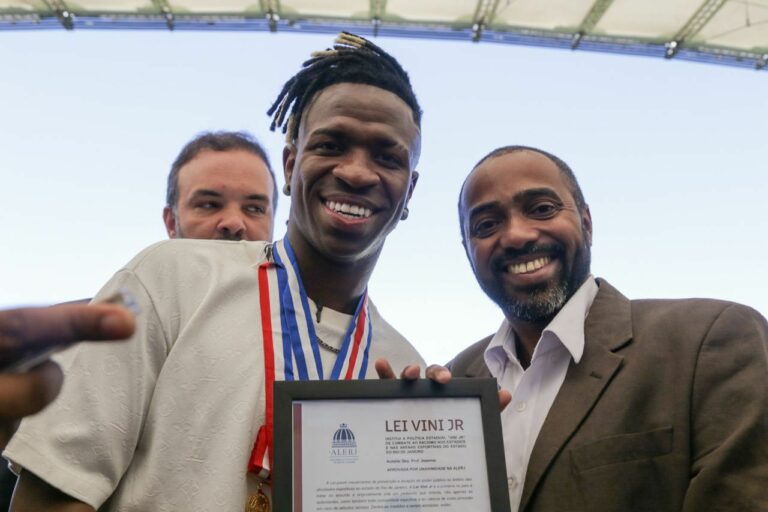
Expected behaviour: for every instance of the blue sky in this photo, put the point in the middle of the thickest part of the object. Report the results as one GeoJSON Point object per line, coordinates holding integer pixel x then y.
{"type": "Point", "coordinates": [671, 156]}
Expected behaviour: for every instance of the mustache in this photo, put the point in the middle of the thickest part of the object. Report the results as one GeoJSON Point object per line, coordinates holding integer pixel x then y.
{"type": "Point", "coordinates": [501, 261]}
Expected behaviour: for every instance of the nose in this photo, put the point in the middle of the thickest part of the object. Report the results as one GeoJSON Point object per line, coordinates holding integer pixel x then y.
{"type": "Point", "coordinates": [356, 170]}
{"type": "Point", "coordinates": [231, 225]}
{"type": "Point", "coordinates": [518, 232]}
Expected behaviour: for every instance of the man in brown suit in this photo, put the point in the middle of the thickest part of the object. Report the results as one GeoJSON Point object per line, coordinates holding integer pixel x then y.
{"type": "Point", "coordinates": [618, 405]}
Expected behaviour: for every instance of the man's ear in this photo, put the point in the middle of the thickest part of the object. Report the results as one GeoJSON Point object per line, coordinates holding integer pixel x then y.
{"type": "Point", "coordinates": [411, 186]}
{"type": "Point", "coordinates": [469, 256]}
{"type": "Point", "coordinates": [170, 222]}
{"type": "Point", "coordinates": [586, 225]}
{"type": "Point", "coordinates": [289, 160]}
{"type": "Point", "coordinates": [464, 235]}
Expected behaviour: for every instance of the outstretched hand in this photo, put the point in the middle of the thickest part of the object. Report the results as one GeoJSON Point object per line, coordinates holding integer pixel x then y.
{"type": "Point", "coordinates": [27, 331]}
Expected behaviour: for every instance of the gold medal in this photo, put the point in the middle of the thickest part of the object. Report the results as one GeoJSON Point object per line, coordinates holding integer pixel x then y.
{"type": "Point", "coordinates": [257, 502]}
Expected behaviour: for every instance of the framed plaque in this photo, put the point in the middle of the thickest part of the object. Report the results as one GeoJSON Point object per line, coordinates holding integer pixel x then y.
{"type": "Point", "coordinates": [388, 445]}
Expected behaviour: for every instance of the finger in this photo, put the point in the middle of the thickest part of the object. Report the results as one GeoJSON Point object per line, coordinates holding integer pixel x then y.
{"type": "Point", "coordinates": [22, 394]}
{"type": "Point", "coordinates": [438, 373]}
{"type": "Point", "coordinates": [505, 397]}
{"type": "Point", "coordinates": [411, 372]}
{"type": "Point", "coordinates": [7, 429]}
{"type": "Point", "coordinates": [384, 369]}
{"type": "Point", "coordinates": [27, 328]}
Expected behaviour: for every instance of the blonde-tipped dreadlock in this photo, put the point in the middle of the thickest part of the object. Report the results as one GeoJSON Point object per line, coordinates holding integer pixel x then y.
{"type": "Point", "coordinates": [353, 59]}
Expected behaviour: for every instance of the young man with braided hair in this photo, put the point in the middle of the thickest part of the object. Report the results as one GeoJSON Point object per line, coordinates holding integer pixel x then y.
{"type": "Point", "coordinates": [175, 419]}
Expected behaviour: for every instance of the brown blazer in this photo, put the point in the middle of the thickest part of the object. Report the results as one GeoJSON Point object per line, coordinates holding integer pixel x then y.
{"type": "Point", "coordinates": [667, 411]}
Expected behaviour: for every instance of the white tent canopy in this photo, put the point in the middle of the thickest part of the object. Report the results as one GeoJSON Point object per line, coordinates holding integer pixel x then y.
{"type": "Point", "coordinates": [731, 32]}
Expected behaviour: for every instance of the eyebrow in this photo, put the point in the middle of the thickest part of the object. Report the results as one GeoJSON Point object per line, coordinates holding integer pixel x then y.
{"type": "Point", "coordinates": [522, 196]}
{"type": "Point", "coordinates": [536, 192]}
{"type": "Point", "coordinates": [477, 210]}
{"type": "Point", "coordinates": [257, 197]}
{"type": "Point", "coordinates": [204, 192]}
{"type": "Point", "coordinates": [384, 141]}
{"type": "Point", "coordinates": [213, 193]}
{"type": "Point", "coordinates": [328, 132]}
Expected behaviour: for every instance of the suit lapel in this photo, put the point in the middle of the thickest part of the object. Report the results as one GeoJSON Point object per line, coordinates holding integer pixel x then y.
{"type": "Point", "coordinates": [477, 367]}
{"type": "Point", "coordinates": [608, 326]}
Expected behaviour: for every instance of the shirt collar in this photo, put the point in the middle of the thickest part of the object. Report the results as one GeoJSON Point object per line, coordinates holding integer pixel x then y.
{"type": "Point", "coordinates": [566, 329]}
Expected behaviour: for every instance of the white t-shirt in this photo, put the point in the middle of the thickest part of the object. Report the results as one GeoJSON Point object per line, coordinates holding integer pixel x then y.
{"type": "Point", "coordinates": [166, 421]}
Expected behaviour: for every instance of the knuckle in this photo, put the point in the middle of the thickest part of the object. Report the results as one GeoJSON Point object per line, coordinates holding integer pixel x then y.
{"type": "Point", "coordinates": [13, 329]}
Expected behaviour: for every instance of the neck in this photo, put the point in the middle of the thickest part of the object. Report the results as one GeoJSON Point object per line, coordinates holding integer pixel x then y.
{"type": "Point", "coordinates": [527, 335]}
{"type": "Point", "coordinates": [331, 283]}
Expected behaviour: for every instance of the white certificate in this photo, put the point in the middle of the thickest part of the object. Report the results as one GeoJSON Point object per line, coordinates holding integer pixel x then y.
{"type": "Point", "coordinates": [421, 453]}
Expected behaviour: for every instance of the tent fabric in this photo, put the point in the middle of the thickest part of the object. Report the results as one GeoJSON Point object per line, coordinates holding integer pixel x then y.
{"type": "Point", "coordinates": [730, 32]}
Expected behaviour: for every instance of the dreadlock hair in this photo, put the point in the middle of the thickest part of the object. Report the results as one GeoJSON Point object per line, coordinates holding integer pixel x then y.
{"type": "Point", "coordinates": [353, 59]}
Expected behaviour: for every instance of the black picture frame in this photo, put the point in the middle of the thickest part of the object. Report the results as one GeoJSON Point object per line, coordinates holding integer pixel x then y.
{"type": "Point", "coordinates": [287, 392]}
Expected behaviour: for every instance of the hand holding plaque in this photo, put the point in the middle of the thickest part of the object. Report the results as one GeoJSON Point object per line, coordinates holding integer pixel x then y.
{"type": "Point", "coordinates": [434, 372]}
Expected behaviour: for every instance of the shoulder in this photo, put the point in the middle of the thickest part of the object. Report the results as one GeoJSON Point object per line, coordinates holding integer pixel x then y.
{"type": "Point", "coordinates": [394, 346]}
{"type": "Point", "coordinates": [700, 316]}
{"type": "Point", "coordinates": [689, 318]}
{"type": "Point", "coordinates": [183, 251]}
{"type": "Point", "coordinates": [186, 259]}
{"type": "Point", "coordinates": [174, 272]}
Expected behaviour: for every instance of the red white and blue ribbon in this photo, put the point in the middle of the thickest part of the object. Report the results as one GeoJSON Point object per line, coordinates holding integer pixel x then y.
{"type": "Point", "coordinates": [291, 351]}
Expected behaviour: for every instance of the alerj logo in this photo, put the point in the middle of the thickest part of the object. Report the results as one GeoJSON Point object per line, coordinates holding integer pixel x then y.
{"type": "Point", "coordinates": [343, 446]}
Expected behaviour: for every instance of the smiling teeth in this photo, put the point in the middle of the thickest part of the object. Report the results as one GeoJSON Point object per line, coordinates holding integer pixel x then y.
{"type": "Point", "coordinates": [351, 210]}
{"type": "Point", "coordinates": [524, 268]}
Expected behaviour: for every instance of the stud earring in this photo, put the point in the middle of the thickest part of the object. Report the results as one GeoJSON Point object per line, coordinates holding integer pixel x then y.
{"type": "Point", "coordinates": [287, 189]}
{"type": "Point", "coordinates": [404, 215]}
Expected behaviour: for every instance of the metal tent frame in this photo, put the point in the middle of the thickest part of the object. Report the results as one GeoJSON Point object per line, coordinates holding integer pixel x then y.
{"type": "Point", "coordinates": [725, 32]}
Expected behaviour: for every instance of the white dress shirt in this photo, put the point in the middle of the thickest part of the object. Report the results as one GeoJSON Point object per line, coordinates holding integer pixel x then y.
{"type": "Point", "coordinates": [534, 389]}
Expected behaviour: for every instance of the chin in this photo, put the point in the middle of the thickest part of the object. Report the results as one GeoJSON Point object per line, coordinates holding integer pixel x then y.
{"type": "Point", "coordinates": [349, 252]}
{"type": "Point", "coordinates": [538, 308]}
{"type": "Point", "coordinates": [536, 304]}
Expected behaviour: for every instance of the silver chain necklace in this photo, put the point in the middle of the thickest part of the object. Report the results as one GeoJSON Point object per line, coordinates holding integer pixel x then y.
{"type": "Point", "coordinates": [319, 339]}
{"type": "Point", "coordinates": [326, 346]}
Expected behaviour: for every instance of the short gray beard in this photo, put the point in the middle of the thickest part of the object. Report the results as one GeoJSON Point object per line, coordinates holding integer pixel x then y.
{"type": "Point", "coordinates": [541, 304]}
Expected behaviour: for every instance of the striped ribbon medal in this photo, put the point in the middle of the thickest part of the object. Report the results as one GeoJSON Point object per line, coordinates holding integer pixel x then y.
{"type": "Point", "coordinates": [291, 351]}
